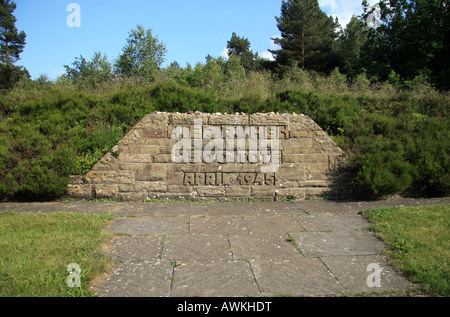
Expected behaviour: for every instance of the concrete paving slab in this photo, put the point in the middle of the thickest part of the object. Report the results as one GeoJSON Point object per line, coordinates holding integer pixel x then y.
{"type": "Point", "coordinates": [214, 279]}
{"type": "Point", "coordinates": [357, 275]}
{"type": "Point", "coordinates": [319, 206]}
{"type": "Point", "coordinates": [199, 248]}
{"type": "Point", "coordinates": [333, 222]}
{"type": "Point", "coordinates": [263, 246]}
{"type": "Point", "coordinates": [151, 225]}
{"type": "Point", "coordinates": [142, 279]}
{"type": "Point", "coordinates": [217, 225]}
{"type": "Point", "coordinates": [322, 244]}
{"type": "Point", "coordinates": [137, 248]}
{"type": "Point", "coordinates": [178, 209]}
{"type": "Point", "coordinates": [274, 224]}
{"type": "Point", "coordinates": [230, 209]}
{"type": "Point", "coordinates": [297, 277]}
{"type": "Point", "coordinates": [275, 207]}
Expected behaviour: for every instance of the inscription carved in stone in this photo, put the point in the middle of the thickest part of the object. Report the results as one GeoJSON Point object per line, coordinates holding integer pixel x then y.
{"type": "Point", "coordinates": [215, 156]}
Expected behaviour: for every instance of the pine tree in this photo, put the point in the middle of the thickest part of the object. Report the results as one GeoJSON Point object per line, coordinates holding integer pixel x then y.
{"type": "Point", "coordinates": [307, 36]}
{"type": "Point", "coordinates": [239, 46]}
{"type": "Point", "coordinates": [12, 44]}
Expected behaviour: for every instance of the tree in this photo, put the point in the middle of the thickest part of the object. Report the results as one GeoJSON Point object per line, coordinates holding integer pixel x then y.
{"type": "Point", "coordinates": [142, 56]}
{"type": "Point", "coordinates": [412, 39]}
{"type": "Point", "coordinates": [239, 46]}
{"type": "Point", "coordinates": [350, 45]}
{"type": "Point", "coordinates": [307, 36]}
{"type": "Point", "coordinates": [12, 43]}
{"type": "Point", "coordinates": [90, 73]}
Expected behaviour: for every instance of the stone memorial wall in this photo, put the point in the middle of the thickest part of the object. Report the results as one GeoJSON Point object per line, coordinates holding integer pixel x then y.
{"type": "Point", "coordinates": [215, 157]}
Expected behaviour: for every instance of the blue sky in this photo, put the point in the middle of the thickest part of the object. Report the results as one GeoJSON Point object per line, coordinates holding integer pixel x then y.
{"type": "Point", "coordinates": [191, 29]}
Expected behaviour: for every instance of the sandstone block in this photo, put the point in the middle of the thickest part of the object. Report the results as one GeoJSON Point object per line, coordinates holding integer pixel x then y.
{"type": "Point", "coordinates": [175, 178]}
{"type": "Point", "coordinates": [110, 177]}
{"type": "Point", "coordinates": [237, 191]}
{"type": "Point", "coordinates": [159, 187]}
{"type": "Point", "coordinates": [162, 158]}
{"type": "Point", "coordinates": [105, 191]}
{"type": "Point", "coordinates": [262, 191]}
{"type": "Point", "coordinates": [291, 172]}
{"type": "Point", "coordinates": [295, 193]}
{"type": "Point", "coordinates": [132, 196]}
{"type": "Point", "coordinates": [268, 120]}
{"type": "Point", "coordinates": [151, 172]}
{"type": "Point", "coordinates": [303, 123]}
{"type": "Point", "coordinates": [231, 120]}
{"type": "Point", "coordinates": [183, 120]}
{"type": "Point", "coordinates": [80, 191]}
{"type": "Point", "coordinates": [135, 158]}
{"type": "Point", "coordinates": [312, 193]}
{"type": "Point", "coordinates": [210, 191]}
{"type": "Point", "coordinates": [155, 133]}
{"type": "Point", "coordinates": [126, 188]}
{"type": "Point", "coordinates": [154, 121]}
{"type": "Point", "coordinates": [109, 162]}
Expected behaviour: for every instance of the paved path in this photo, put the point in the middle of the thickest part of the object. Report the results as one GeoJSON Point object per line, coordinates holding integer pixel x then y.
{"type": "Point", "coordinates": [300, 248]}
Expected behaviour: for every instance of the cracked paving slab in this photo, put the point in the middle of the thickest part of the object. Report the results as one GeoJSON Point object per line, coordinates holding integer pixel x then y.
{"type": "Point", "coordinates": [151, 225]}
{"type": "Point", "coordinates": [353, 272]}
{"type": "Point", "coordinates": [263, 246]}
{"type": "Point", "coordinates": [139, 279]}
{"type": "Point", "coordinates": [296, 277]}
{"type": "Point", "coordinates": [322, 244]}
{"type": "Point", "coordinates": [204, 248]}
{"type": "Point", "coordinates": [214, 279]}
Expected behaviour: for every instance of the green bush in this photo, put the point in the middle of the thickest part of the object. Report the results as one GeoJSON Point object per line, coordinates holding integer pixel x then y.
{"type": "Point", "coordinates": [407, 153]}
{"type": "Point", "coordinates": [335, 114]}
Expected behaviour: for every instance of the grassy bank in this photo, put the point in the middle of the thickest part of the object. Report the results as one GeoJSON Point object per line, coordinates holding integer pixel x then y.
{"type": "Point", "coordinates": [418, 240]}
{"type": "Point", "coordinates": [35, 250]}
{"type": "Point", "coordinates": [397, 141]}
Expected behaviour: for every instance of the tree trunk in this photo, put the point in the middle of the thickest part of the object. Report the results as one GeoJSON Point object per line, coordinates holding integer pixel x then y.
{"type": "Point", "coordinates": [303, 49]}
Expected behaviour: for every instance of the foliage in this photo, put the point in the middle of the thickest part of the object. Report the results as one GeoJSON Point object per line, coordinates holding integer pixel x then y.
{"type": "Point", "coordinates": [142, 56]}
{"type": "Point", "coordinates": [238, 46]}
{"type": "Point", "coordinates": [307, 36]}
{"type": "Point", "coordinates": [419, 26]}
{"type": "Point", "coordinates": [90, 73]}
{"type": "Point", "coordinates": [12, 43]}
{"type": "Point", "coordinates": [349, 46]}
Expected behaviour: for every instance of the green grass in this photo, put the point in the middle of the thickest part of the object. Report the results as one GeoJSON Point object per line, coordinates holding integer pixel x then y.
{"type": "Point", "coordinates": [418, 240]}
{"type": "Point", "coordinates": [35, 250]}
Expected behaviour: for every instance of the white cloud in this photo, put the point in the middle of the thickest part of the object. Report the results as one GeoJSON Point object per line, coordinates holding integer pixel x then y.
{"type": "Point", "coordinates": [274, 46]}
{"type": "Point", "coordinates": [267, 55]}
{"type": "Point", "coordinates": [57, 73]}
{"type": "Point", "coordinates": [343, 9]}
{"type": "Point", "coordinates": [224, 53]}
